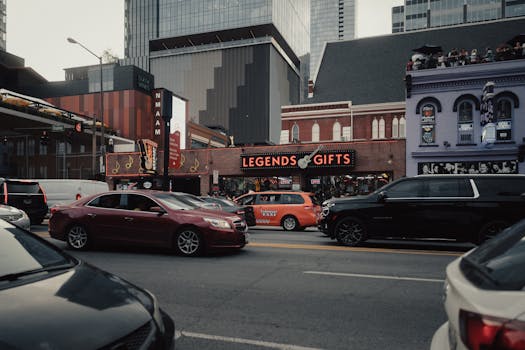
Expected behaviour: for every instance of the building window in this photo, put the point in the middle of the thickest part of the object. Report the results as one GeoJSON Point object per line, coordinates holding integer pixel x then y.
{"type": "Point", "coordinates": [315, 132]}
{"type": "Point", "coordinates": [336, 131]}
{"type": "Point", "coordinates": [31, 147]}
{"type": "Point", "coordinates": [381, 128]}
{"type": "Point", "coordinates": [395, 128]}
{"type": "Point", "coordinates": [20, 148]}
{"type": "Point", "coordinates": [402, 128]}
{"type": "Point", "coordinates": [295, 133]}
{"type": "Point", "coordinates": [428, 124]}
{"type": "Point", "coordinates": [504, 120]}
{"type": "Point", "coordinates": [375, 129]}
{"type": "Point", "coordinates": [42, 149]}
{"type": "Point", "coordinates": [465, 122]}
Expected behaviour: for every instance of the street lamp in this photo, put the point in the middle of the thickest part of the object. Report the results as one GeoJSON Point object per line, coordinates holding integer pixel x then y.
{"type": "Point", "coordinates": [102, 143]}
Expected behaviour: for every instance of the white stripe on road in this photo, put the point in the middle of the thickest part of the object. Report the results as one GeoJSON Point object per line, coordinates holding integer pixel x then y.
{"type": "Point", "coordinates": [261, 343]}
{"type": "Point", "coordinates": [397, 278]}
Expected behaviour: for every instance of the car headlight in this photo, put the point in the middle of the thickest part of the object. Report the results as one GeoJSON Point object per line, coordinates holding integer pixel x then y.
{"type": "Point", "coordinates": [219, 223]}
{"type": "Point", "coordinates": [149, 301]}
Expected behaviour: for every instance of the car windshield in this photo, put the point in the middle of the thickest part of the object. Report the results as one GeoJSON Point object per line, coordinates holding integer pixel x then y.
{"type": "Point", "coordinates": [174, 201]}
{"type": "Point", "coordinates": [501, 260]}
{"type": "Point", "coordinates": [21, 253]}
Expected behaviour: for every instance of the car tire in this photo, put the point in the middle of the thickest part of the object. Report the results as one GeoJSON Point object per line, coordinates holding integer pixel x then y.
{"type": "Point", "coordinates": [490, 230]}
{"type": "Point", "coordinates": [77, 237]}
{"type": "Point", "coordinates": [350, 232]}
{"type": "Point", "coordinates": [290, 223]}
{"type": "Point", "coordinates": [188, 242]}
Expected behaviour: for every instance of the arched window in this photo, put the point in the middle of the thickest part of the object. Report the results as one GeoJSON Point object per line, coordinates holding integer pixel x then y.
{"type": "Point", "coordinates": [395, 128]}
{"type": "Point", "coordinates": [428, 124]}
{"type": "Point", "coordinates": [465, 122]}
{"type": "Point", "coordinates": [315, 132]}
{"type": "Point", "coordinates": [402, 128]}
{"type": "Point", "coordinates": [375, 129]}
{"type": "Point", "coordinates": [336, 132]}
{"type": "Point", "coordinates": [295, 133]}
{"type": "Point", "coordinates": [504, 110]}
{"type": "Point", "coordinates": [381, 128]}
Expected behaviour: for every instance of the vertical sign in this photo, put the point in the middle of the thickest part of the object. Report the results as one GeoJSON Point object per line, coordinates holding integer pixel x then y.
{"type": "Point", "coordinates": [174, 162]}
{"type": "Point", "coordinates": [157, 115]}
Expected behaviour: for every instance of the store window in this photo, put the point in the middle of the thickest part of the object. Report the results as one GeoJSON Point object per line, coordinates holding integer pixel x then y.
{"type": "Point", "coordinates": [428, 124]}
{"type": "Point", "coordinates": [504, 111]}
{"type": "Point", "coordinates": [315, 132]}
{"type": "Point", "coordinates": [337, 131]}
{"type": "Point", "coordinates": [465, 123]}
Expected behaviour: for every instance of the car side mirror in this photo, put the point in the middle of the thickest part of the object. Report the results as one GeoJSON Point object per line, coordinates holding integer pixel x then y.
{"type": "Point", "coordinates": [157, 210]}
{"type": "Point", "coordinates": [381, 196]}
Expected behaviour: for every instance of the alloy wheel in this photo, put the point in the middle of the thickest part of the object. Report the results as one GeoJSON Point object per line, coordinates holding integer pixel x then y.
{"type": "Point", "coordinates": [77, 237]}
{"type": "Point", "coordinates": [188, 242]}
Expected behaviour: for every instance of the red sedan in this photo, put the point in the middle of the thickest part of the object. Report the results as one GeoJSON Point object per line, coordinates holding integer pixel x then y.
{"type": "Point", "coordinates": [151, 218]}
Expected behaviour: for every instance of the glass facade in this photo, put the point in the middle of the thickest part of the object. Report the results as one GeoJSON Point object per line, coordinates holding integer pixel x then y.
{"type": "Point", "coordinates": [452, 12]}
{"type": "Point", "coordinates": [3, 30]}
{"type": "Point", "coordinates": [331, 20]}
{"type": "Point", "coordinates": [153, 19]}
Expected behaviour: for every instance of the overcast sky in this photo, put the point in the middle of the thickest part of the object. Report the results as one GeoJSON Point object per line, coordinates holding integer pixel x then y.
{"type": "Point", "coordinates": [37, 30]}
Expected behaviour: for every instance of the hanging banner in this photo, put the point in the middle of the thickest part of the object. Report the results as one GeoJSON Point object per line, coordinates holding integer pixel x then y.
{"type": "Point", "coordinates": [175, 154]}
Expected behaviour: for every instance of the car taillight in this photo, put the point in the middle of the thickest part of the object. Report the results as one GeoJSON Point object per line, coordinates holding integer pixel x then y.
{"type": "Point", "coordinates": [307, 207]}
{"type": "Point", "coordinates": [480, 332]}
{"type": "Point", "coordinates": [78, 196]}
{"type": "Point", "coordinates": [53, 210]}
{"type": "Point", "coordinates": [44, 193]}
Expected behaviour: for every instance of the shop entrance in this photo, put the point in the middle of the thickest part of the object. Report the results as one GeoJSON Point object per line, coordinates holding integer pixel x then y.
{"type": "Point", "coordinates": [186, 184]}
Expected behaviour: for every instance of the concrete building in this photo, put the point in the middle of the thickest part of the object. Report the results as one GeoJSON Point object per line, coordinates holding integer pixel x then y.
{"type": "Point", "coordinates": [446, 119]}
{"type": "Point", "coordinates": [424, 14]}
{"type": "Point", "coordinates": [330, 20]}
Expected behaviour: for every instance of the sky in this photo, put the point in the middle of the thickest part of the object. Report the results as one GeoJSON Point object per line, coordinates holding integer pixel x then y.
{"type": "Point", "coordinates": [38, 30]}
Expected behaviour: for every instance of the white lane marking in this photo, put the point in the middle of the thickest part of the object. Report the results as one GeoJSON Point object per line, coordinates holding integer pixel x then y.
{"type": "Point", "coordinates": [397, 278]}
{"type": "Point", "coordinates": [261, 343]}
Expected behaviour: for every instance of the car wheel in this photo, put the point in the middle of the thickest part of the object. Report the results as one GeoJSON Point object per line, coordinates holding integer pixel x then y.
{"type": "Point", "coordinates": [491, 229]}
{"type": "Point", "coordinates": [77, 237]}
{"type": "Point", "coordinates": [350, 232]}
{"type": "Point", "coordinates": [188, 242]}
{"type": "Point", "coordinates": [290, 223]}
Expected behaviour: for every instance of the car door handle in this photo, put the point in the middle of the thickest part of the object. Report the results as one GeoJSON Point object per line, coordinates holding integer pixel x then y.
{"type": "Point", "coordinates": [127, 218]}
{"type": "Point", "coordinates": [91, 215]}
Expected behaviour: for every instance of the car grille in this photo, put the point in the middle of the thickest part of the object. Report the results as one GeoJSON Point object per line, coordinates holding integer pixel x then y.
{"type": "Point", "coordinates": [240, 225]}
{"type": "Point", "coordinates": [134, 340]}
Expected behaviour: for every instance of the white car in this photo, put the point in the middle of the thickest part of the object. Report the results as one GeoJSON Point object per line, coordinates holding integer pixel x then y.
{"type": "Point", "coordinates": [15, 216]}
{"type": "Point", "coordinates": [484, 296]}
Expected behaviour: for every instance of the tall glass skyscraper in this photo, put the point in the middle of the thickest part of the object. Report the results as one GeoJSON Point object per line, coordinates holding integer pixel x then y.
{"type": "Point", "coordinates": [421, 14]}
{"type": "Point", "coordinates": [3, 30]}
{"type": "Point", "coordinates": [236, 61]}
{"type": "Point", "coordinates": [331, 20]}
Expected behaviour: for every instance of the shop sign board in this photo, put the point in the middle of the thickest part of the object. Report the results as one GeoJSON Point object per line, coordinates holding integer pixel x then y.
{"type": "Point", "coordinates": [301, 160]}
{"type": "Point", "coordinates": [175, 155]}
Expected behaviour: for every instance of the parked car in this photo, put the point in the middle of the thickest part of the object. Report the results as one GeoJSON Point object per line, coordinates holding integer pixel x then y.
{"type": "Point", "coordinates": [291, 210]}
{"type": "Point", "coordinates": [461, 207]}
{"type": "Point", "coordinates": [51, 300]}
{"type": "Point", "coordinates": [195, 200]}
{"type": "Point", "coordinates": [145, 218]}
{"type": "Point", "coordinates": [230, 206]}
{"type": "Point", "coordinates": [66, 191]}
{"type": "Point", "coordinates": [484, 296]}
{"type": "Point", "coordinates": [15, 216]}
{"type": "Point", "coordinates": [26, 195]}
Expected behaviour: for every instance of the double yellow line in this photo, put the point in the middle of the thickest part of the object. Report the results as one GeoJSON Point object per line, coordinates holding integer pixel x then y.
{"type": "Point", "coordinates": [353, 249]}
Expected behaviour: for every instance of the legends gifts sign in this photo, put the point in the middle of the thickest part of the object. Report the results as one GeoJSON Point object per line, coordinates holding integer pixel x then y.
{"type": "Point", "coordinates": [326, 159]}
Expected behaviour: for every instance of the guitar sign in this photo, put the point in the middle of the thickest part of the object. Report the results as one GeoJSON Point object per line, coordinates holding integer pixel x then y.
{"type": "Point", "coordinates": [303, 162]}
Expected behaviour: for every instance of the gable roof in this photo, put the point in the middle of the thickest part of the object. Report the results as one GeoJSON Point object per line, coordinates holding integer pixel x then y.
{"type": "Point", "coordinates": [372, 70]}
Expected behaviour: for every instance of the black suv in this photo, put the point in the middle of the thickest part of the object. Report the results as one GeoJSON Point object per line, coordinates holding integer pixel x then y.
{"type": "Point", "coordinates": [461, 207]}
{"type": "Point", "coordinates": [26, 195]}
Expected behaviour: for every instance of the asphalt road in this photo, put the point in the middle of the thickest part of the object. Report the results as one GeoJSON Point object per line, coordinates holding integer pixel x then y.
{"type": "Point", "coordinates": [295, 291]}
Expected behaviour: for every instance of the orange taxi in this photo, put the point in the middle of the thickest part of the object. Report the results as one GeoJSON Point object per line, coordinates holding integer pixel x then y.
{"type": "Point", "coordinates": [292, 210]}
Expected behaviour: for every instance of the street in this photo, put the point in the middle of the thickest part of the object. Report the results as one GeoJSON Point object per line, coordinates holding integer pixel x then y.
{"type": "Point", "coordinates": [293, 290]}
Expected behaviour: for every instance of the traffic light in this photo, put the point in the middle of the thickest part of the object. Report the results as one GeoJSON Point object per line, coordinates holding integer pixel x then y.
{"type": "Point", "coordinates": [5, 140]}
{"type": "Point", "coordinates": [79, 127]}
{"type": "Point", "coordinates": [44, 138]}
{"type": "Point", "coordinates": [69, 137]}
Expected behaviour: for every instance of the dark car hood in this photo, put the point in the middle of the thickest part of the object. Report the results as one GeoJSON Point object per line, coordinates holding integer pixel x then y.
{"type": "Point", "coordinates": [353, 199]}
{"type": "Point", "coordinates": [83, 308]}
